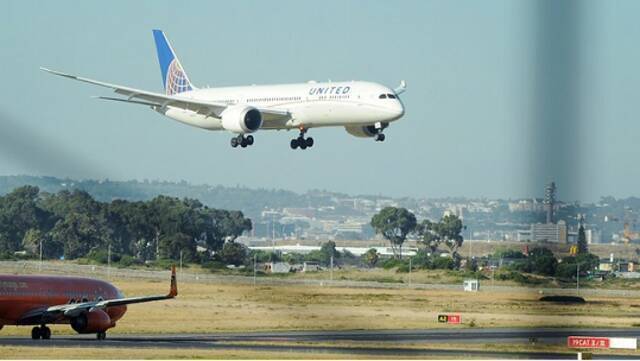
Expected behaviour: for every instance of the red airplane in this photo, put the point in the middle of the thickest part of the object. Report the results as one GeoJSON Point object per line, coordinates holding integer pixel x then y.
{"type": "Point", "coordinates": [89, 305]}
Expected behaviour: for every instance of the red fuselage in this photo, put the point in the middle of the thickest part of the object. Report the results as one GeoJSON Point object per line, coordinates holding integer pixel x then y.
{"type": "Point", "coordinates": [20, 295]}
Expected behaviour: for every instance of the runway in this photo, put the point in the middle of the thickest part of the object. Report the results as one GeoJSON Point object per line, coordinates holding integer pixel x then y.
{"type": "Point", "coordinates": [360, 342]}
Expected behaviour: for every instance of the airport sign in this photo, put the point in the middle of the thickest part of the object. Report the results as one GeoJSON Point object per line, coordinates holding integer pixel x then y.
{"type": "Point", "coordinates": [587, 342]}
{"type": "Point", "coordinates": [602, 342]}
{"type": "Point", "coordinates": [453, 318]}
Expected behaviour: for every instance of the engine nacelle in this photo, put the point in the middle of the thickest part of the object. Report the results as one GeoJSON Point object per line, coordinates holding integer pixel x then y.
{"type": "Point", "coordinates": [241, 119]}
{"type": "Point", "coordinates": [92, 322]}
{"type": "Point", "coordinates": [366, 131]}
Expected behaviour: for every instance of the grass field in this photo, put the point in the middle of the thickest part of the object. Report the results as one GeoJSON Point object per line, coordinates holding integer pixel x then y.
{"type": "Point", "coordinates": [202, 308]}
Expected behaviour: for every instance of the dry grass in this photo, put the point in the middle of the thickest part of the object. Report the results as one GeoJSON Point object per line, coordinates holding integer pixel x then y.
{"type": "Point", "coordinates": [89, 353]}
{"type": "Point", "coordinates": [203, 308]}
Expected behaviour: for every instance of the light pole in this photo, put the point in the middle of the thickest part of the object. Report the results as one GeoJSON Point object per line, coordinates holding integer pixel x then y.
{"type": "Point", "coordinates": [577, 277]}
{"type": "Point", "coordinates": [331, 272]}
{"type": "Point", "coordinates": [40, 265]}
{"type": "Point", "coordinates": [254, 269]}
{"type": "Point", "coordinates": [180, 262]}
{"type": "Point", "coordinates": [410, 266]}
{"type": "Point", "coordinates": [109, 262]}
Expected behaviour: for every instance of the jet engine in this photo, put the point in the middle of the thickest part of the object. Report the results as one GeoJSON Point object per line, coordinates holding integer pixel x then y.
{"type": "Point", "coordinates": [241, 119]}
{"type": "Point", "coordinates": [91, 322]}
{"type": "Point", "coordinates": [366, 131]}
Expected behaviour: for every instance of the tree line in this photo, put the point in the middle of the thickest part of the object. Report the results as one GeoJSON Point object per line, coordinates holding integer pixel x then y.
{"type": "Point", "coordinates": [72, 224]}
{"type": "Point", "coordinates": [396, 224]}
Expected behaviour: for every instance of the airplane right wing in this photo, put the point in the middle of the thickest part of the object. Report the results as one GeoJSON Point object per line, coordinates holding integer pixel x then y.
{"type": "Point", "coordinates": [143, 97]}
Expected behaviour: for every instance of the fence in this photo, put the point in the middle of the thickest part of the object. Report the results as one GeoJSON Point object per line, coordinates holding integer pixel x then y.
{"type": "Point", "coordinates": [114, 274]}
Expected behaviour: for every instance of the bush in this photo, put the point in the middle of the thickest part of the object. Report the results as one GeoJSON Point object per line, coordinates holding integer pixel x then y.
{"type": "Point", "coordinates": [443, 263]}
{"type": "Point", "coordinates": [403, 268]}
{"type": "Point", "coordinates": [162, 263]}
{"type": "Point", "coordinates": [127, 261]}
{"type": "Point", "coordinates": [213, 265]}
{"type": "Point", "coordinates": [392, 263]}
{"type": "Point", "coordinates": [102, 256]}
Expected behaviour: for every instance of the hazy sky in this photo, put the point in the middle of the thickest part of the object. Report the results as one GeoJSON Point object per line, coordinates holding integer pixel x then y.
{"type": "Point", "coordinates": [502, 96]}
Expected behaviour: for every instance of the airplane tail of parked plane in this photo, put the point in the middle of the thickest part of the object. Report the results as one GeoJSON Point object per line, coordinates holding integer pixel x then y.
{"type": "Point", "coordinates": [174, 78]}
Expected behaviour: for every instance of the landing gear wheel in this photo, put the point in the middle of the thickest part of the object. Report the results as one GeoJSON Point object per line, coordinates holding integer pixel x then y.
{"type": "Point", "coordinates": [302, 143]}
{"type": "Point", "coordinates": [243, 143]}
{"type": "Point", "coordinates": [294, 143]}
{"type": "Point", "coordinates": [309, 142]}
{"type": "Point", "coordinates": [101, 335]}
{"type": "Point", "coordinates": [35, 333]}
{"type": "Point", "coordinates": [380, 137]}
{"type": "Point", "coordinates": [45, 332]}
{"type": "Point", "coordinates": [249, 139]}
{"type": "Point", "coordinates": [234, 142]}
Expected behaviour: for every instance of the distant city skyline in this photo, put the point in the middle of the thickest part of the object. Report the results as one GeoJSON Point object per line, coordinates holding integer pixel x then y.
{"type": "Point", "coordinates": [502, 96]}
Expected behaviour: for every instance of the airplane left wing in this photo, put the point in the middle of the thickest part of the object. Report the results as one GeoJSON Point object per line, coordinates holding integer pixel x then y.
{"type": "Point", "coordinates": [74, 309]}
{"type": "Point", "coordinates": [143, 97]}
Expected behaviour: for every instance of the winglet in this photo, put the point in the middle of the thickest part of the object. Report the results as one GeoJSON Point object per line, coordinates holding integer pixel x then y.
{"type": "Point", "coordinates": [173, 291]}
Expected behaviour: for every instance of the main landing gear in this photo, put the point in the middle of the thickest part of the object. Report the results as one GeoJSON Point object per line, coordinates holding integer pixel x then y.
{"type": "Point", "coordinates": [101, 335]}
{"type": "Point", "coordinates": [242, 141]}
{"type": "Point", "coordinates": [301, 141]}
{"type": "Point", "coordinates": [42, 332]}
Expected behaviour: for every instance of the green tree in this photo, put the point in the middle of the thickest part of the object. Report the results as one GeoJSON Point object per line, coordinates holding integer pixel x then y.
{"type": "Point", "coordinates": [541, 261]}
{"type": "Point", "coordinates": [328, 250]}
{"type": "Point", "coordinates": [233, 253]}
{"type": "Point", "coordinates": [172, 245]}
{"type": "Point", "coordinates": [394, 224]}
{"type": "Point", "coordinates": [583, 248]}
{"type": "Point", "coordinates": [31, 241]}
{"type": "Point", "coordinates": [20, 212]}
{"type": "Point", "coordinates": [371, 257]}
{"type": "Point", "coordinates": [449, 230]}
{"type": "Point", "coordinates": [428, 236]}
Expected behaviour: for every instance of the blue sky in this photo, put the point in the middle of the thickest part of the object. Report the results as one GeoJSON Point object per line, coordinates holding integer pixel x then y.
{"type": "Point", "coordinates": [476, 85]}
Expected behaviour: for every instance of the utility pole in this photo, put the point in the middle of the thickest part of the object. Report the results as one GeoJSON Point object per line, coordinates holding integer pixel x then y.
{"type": "Point", "coordinates": [254, 269]}
{"type": "Point", "coordinates": [180, 262]}
{"type": "Point", "coordinates": [577, 277]}
{"type": "Point", "coordinates": [40, 265]}
{"type": "Point", "coordinates": [331, 274]}
{"type": "Point", "coordinates": [109, 262]}
{"type": "Point", "coordinates": [410, 266]}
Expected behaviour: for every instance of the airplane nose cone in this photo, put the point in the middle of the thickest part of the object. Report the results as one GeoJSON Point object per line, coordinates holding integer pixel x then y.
{"type": "Point", "coordinates": [397, 110]}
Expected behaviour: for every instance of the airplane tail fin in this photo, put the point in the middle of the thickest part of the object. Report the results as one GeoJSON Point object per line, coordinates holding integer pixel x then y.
{"type": "Point", "coordinates": [174, 78]}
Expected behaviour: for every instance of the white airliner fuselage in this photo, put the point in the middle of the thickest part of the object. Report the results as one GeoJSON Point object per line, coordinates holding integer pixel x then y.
{"type": "Point", "coordinates": [310, 104]}
{"type": "Point", "coordinates": [364, 109]}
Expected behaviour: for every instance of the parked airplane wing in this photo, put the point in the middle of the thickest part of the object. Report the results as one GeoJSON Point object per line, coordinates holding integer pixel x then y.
{"type": "Point", "coordinates": [74, 309]}
{"type": "Point", "coordinates": [143, 97]}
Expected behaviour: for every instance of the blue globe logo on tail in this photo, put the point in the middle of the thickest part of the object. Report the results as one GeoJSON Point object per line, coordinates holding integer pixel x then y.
{"type": "Point", "coordinates": [177, 81]}
{"type": "Point", "coordinates": [174, 78]}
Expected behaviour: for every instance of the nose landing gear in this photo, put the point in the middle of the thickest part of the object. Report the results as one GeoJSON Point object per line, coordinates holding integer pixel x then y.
{"type": "Point", "coordinates": [302, 142]}
{"type": "Point", "coordinates": [379, 127]}
{"type": "Point", "coordinates": [242, 141]}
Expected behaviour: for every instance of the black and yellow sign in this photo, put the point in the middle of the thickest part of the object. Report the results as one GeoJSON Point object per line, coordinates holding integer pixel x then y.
{"type": "Point", "coordinates": [443, 318]}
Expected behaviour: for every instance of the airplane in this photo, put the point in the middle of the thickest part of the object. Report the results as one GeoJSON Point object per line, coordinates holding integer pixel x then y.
{"type": "Point", "coordinates": [364, 109]}
{"type": "Point", "coordinates": [88, 305]}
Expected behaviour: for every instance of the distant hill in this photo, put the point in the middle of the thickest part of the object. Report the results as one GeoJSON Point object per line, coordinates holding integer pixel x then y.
{"type": "Point", "coordinates": [249, 201]}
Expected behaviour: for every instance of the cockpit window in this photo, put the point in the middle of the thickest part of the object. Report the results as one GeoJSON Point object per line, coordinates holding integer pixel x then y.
{"type": "Point", "coordinates": [391, 96]}
{"type": "Point", "coordinates": [383, 96]}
